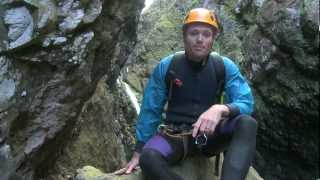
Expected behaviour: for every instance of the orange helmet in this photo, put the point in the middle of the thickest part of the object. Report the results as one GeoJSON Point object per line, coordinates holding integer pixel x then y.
{"type": "Point", "coordinates": [201, 15]}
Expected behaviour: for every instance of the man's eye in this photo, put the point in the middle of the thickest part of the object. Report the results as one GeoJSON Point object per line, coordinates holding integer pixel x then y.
{"type": "Point", "coordinates": [194, 33]}
{"type": "Point", "coordinates": [207, 34]}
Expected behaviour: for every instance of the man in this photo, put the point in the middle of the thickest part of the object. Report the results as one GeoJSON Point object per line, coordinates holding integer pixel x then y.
{"type": "Point", "coordinates": [195, 122]}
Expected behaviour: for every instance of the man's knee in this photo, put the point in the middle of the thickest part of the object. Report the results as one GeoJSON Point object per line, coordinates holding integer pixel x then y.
{"type": "Point", "coordinates": [246, 123]}
{"type": "Point", "coordinates": [149, 158]}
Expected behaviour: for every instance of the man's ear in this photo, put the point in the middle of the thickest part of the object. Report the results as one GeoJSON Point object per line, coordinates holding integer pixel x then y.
{"type": "Point", "coordinates": [215, 34]}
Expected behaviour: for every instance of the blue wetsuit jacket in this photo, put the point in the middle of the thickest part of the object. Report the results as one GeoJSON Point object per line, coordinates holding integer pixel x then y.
{"type": "Point", "coordinates": [238, 98]}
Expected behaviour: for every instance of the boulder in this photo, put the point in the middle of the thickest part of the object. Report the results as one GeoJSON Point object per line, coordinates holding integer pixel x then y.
{"type": "Point", "coordinates": [192, 168]}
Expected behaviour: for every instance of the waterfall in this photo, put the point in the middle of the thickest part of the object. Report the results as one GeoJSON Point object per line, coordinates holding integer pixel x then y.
{"type": "Point", "coordinates": [129, 92]}
{"type": "Point", "coordinates": [147, 4]}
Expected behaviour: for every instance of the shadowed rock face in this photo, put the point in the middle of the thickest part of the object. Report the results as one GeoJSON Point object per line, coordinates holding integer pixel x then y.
{"type": "Point", "coordinates": [283, 66]}
{"type": "Point", "coordinates": [52, 54]}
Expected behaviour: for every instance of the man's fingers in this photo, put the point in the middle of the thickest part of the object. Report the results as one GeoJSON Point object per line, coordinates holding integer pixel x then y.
{"type": "Point", "coordinates": [204, 128]}
{"type": "Point", "coordinates": [132, 165]}
{"type": "Point", "coordinates": [195, 128]}
{"type": "Point", "coordinates": [126, 170]}
{"type": "Point", "coordinates": [211, 130]}
{"type": "Point", "coordinates": [129, 170]}
{"type": "Point", "coordinates": [210, 127]}
{"type": "Point", "coordinates": [120, 171]}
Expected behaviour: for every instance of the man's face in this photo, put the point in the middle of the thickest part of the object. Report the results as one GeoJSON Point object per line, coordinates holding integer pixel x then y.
{"type": "Point", "coordinates": [198, 40]}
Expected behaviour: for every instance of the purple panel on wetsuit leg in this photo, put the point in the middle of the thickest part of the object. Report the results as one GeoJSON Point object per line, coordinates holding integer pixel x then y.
{"type": "Point", "coordinates": [229, 126]}
{"type": "Point", "coordinates": [160, 144]}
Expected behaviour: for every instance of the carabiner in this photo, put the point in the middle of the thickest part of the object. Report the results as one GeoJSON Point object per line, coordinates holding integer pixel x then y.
{"type": "Point", "coordinates": [201, 139]}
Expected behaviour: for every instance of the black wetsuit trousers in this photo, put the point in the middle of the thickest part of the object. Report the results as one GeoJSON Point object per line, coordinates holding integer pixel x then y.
{"type": "Point", "coordinates": [239, 148]}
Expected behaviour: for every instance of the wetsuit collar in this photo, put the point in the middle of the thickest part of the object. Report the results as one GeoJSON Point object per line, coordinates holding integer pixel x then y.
{"type": "Point", "coordinates": [197, 65]}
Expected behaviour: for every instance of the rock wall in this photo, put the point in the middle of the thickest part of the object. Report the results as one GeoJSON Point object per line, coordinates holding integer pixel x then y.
{"type": "Point", "coordinates": [103, 135]}
{"type": "Point", "coordinates": [282, 55]}
{"type": "Point", "coordinates": [52, 55]}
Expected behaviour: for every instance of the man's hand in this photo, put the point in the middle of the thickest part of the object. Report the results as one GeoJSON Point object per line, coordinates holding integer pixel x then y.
{"type": "Point", "coordinates": [208, 120]}
{"type": "Point", "coordinates": [131, 166]}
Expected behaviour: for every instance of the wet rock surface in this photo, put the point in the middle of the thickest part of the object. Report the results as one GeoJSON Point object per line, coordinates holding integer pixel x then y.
{"type": "Point", "coordinates": [52, 56]}
{"type": "Point", "coordinates": [20, 23]}
{"type": "Point", "coordinates": [29, 22]}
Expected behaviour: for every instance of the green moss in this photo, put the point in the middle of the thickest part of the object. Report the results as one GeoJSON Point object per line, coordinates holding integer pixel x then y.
{"type": "Point", "coordinates": [164, 38]}
{"type": "Point", "coordinates": [165, 22]}
{"type": "Point", "coordinates": [277, 99]}
{"type": "Point", "coordinates": [90, 172]}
